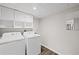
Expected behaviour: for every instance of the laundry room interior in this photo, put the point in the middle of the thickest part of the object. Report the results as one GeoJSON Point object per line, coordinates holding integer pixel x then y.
{"type": "Point", "coordinates": [39, 28]}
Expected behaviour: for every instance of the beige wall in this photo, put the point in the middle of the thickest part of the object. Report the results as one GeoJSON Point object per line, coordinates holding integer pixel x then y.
{"type": "Point", "coordinates": [55, 37]}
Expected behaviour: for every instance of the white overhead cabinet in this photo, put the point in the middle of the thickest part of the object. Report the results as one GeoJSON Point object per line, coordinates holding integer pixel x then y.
{"type": "Point", "coordinates": [6, 17]}
{"type": "Point", "coordinates": [23, 20]}
{"type": "Point", "coordinates": [19, 19]}
{"type": "Point", "coordinates": [10, 18]}
{"type": "Point", "coordinates": [7, 14]}
{"type": "Point", "coordinates": [19, 16]}
{"type": "Point", "coordinates": [18, 24]}
{"type": "Point", "coordinates": [6, 24]}
{"type": "Point", "coordinates": [29, 22]}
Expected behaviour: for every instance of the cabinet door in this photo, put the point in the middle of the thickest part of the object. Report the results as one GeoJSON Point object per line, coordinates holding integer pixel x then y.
{"type": "Point", "coordinates": [19, 16]}
{"type": "Point", "coordinates": [18, 24]}
{"type": "Point", "coordinates": [29, 22]}
{"type": "Point", "coordinates": [7, 14]}
{"type": "Point", "coordinates": [27, 19]}
{"type": "Point", "coordinates": [6, 24]}
{"type": "Point", "coordinates": [28, 25]}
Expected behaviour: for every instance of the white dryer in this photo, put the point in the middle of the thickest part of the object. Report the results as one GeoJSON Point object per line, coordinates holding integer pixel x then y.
{"type": "Point", "coordinates": [32, 43]}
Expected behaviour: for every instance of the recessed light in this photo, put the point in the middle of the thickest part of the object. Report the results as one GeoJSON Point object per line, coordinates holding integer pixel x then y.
{"type": "Point", "coordinates": [34, 8]}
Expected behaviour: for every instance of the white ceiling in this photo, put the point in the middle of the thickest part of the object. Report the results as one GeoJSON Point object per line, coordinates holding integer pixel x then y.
{"type": "Point", "coordinates": [43, 9]}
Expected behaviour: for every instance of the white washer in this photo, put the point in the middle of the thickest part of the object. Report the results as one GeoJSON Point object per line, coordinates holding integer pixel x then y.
{"type": "Point", "coordinates": [32, 45]}
{"type": "Point", "coordinates": [12, 43]}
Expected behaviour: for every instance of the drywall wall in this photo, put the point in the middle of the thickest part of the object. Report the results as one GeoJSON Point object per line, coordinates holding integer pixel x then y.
{"type": "Point", "coordinates": [55, 36]}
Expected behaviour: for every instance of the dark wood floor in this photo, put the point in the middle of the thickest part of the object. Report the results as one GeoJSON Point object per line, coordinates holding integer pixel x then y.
{"type": "Point", "coordinates": [46, 51]}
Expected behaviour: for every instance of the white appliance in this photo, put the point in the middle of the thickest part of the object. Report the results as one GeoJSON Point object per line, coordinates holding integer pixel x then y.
{"type": "Point", "coordinates": [32, 43]}
{"type": "Point", "coordinates": [12, 43]}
